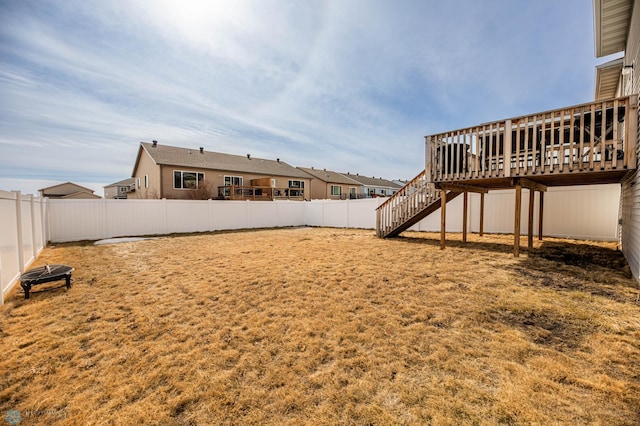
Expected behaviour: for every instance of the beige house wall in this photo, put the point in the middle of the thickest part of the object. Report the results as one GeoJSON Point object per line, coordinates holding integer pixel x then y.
{"type": "Point", "coordinates": [630, 209]}
{"type": "Point", "coordinates": [146, 167]}
{"type": "Point", "coordinates": [321, 190]}
{"type": "Point", "coordinates": [111, 192]}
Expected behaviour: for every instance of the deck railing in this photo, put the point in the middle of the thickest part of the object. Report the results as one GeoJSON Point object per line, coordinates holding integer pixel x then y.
{"type": "Point", "coordinates": [589, 137]}
{"type": "Point", "coordinates": [404, 204]}
{"type": "Point", "coordinates": [259, 193]}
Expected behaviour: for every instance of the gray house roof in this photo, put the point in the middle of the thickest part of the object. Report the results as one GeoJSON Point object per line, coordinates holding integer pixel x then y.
{"type": "Point", "coordinates": [373, 181]}
{"type": "Point", "coordinates": [329, 176]}
{"type": "Point", "coordinates": [125, 182]}
{"type": "Point", "coordinates": [200, 158]}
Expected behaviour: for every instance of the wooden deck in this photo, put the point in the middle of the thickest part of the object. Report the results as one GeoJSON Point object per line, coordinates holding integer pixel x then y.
{"type": "Point", "coordinates": [586, 144]}
{"type": "Point", "coordinates": [259, 193]}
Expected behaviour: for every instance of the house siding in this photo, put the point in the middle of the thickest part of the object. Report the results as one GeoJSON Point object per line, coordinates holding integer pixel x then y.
{"type": "Point", "coordinates": [215, 178]}
{"type": "Point", "coordinates": [147, 167]}
{"type": "Point", "coordinates": [630, 237]}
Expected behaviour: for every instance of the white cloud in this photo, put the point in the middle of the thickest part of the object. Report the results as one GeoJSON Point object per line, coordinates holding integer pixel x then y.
{"type": "Point", "coordinates": [343, 85]}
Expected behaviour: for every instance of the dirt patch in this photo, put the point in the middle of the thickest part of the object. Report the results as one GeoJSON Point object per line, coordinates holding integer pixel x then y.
{"type": "Point", "coordinates": [325, 326]}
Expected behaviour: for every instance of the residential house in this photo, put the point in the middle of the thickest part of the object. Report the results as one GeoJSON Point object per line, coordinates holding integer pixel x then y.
{"type": "Point", "coordinates": [617, 30]}
{"type": "Point", "coordinates": [375, 187]}
{"type": "Point", "coordinates": [119, 190]}
{"type": "Point", "coordinates": [68, 190]}
{"type": "Point", "coordinates": [330, 185]}
{"type": "Point", "coordinates": [163, 171]}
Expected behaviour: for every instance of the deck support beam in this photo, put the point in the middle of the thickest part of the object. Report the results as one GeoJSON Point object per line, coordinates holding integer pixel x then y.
{"type": "Point", "coordinates": [530, 184]}
{"type": "Point", "coordinates": [465, 201]}
{"type": "Point", "coordinates": [516, 226]}
{"type": "Point", "coordinates": [463, 188]}
{"type": "Point", "coordinates": [532, 199]}
{"type": "Point", "coordinates": [541, 207]}
{"type": "Point", "coordinates": [443, 218]}
{"type": "Point", "coordinates": [481, 214]}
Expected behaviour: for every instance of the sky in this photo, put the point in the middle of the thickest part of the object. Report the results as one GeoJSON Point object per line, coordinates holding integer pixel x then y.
{"type": "Point", "coordinates": [347, 85]}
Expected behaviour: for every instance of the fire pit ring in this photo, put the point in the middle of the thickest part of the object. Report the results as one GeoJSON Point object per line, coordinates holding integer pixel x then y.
{"type": "Point", "coordinates": [45, 274]}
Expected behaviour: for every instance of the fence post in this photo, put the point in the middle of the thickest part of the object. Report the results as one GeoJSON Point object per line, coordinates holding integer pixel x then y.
{"type": "Point", "coordinates": [19, 230]}
{"type": "Point", "coordinates": [44, 206]}
{"type": "Point", "coordinates": [165, 221]}
{"type": "Point", "coordinates": [103, 213]}
{"type": "Point", "coordinates": [34, 248]}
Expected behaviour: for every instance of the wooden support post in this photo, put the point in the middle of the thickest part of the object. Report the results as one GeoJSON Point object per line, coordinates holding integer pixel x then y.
{"type": "Point", "coordinates": [481, 214]}
{"type": "Point", "coordinates": [532, 198]}
{"type": "Point", "coordinates": [465, 202]}
{"type": "Point", "coordinates": [516, 226]}
{"type": "Point", "coordinates": [443, 218]}
{"type": "Point", "coordinates": [541, 206]}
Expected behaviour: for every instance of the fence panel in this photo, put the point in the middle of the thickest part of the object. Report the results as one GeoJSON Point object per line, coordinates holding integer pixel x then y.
{"type": "Point", "coordinates": [187, 216]}
{"type": "Point", "coordinates": [335, 213]}
{"type": "Point", "coordinates": [21, 236]}
{"type": "Point", "coordinates": [9, 258]}
{"type": "Point", "coordinates": [291, 213]}
{"type": "Point", "coordinates": [313, 213]}
{"type": "Point", "coordinates": [359, 212]}
{"type": "Point", "coordinates": [76, 220]}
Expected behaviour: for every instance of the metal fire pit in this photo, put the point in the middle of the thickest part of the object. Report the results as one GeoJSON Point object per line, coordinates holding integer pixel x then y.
{"type": "Point", "coordinates": [45, 274]}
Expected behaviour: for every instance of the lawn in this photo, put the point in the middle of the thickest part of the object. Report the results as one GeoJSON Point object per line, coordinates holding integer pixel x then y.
{"type": "Point", "coordinates": [326, 326]}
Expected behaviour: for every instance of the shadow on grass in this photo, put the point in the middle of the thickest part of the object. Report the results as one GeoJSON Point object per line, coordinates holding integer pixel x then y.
{"type": "Point", "coordinates": [458, 243]}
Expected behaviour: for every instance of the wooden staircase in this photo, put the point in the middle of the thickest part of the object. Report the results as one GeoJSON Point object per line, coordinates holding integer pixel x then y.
{"type": "Point", "coordinates": [415, 201]}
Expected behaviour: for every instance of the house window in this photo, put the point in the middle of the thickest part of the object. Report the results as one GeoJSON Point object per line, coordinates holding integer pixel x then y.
{"type": "Point", "coordinates": [146, 181]}
{"type": "Point", "coordinates": [336, 190]}
{"type": "Point", "coordinates": [383, 192]}
{"type": "Point", "coordinates": [138, 182]}
{"type": "Point", "coordinates": [296, 188]}
{"type": "Point", "coordinates": [233, 181]}
{"type": "Point", "coordinates": [123, 189]}
{"type": "Point", "coordinates": [187, 180]}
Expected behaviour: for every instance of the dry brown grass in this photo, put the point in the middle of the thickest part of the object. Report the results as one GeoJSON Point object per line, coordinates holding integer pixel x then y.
{"type": "Point", "coordinates": [326, 326]}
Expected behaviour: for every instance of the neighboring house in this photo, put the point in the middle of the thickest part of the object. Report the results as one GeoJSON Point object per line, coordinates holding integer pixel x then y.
{"type": "Point", "coordinates": [330, 185]}
{"type": "Point", "coordinates": [119, 189]}
{"type": "Point", "coordinates": [375, 187]}
{"type": "Point", "coordinates": [163, 171]}
{"type": "Point", "coordinates": [68, 190]}
{"type": "Point", "coordinates": [617, 30]}
{"type": "Point", "coordinates": [400, 182]}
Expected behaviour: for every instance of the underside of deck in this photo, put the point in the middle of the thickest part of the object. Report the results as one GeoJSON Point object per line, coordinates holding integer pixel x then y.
{"type": "Point", "coordinates": [549, 179]}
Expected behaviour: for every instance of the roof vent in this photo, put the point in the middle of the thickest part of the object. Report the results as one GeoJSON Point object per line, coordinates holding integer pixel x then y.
{"type": "Point", "coordinates": [278, 160]}
{"type": "Point", "coordinates": [249, 156]}
{"type": "Point", "coordinates": [154, 144]}
{"type": "Point", "coordinates": [190, 152]}
{"type": "Point", "coordinates": [201, 150]}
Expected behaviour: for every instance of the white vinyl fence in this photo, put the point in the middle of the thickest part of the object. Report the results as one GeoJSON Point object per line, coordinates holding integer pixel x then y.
{"type": "Point", "coordinates": [589, 212]}
{"type": "Point", "coordinates": [22, 236]}
{"type": "Point", "coordinates": [581, 212]}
